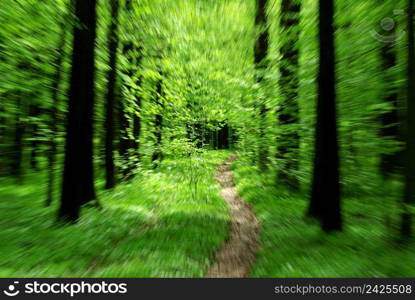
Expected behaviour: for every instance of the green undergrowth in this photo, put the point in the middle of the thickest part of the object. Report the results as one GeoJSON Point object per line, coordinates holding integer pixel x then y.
{"type": "Point", "coordinates": [164, 223]}
{"type": "Point", "coordinates": [294, 246]}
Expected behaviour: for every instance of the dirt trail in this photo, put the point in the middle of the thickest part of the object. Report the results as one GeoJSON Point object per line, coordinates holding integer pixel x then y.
{"type": "Point", "coordinates": [235, 258]}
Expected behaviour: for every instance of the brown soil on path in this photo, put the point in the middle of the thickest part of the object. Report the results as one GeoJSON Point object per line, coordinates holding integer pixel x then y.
{"type": "Point", "coordinates": [235, 258]}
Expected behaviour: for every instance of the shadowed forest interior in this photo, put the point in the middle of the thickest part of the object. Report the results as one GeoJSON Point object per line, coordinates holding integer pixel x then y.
{"type": "Point", "coordinates": [207, 138]}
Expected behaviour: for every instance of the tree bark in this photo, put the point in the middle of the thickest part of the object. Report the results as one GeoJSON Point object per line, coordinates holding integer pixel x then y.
{"type": "Point", "coordinates": [78, 176]}
{"type": "Point", "coordinates": [158, 124]}
{"type": "Point", "coordinates": [325, 194]}
{"type": "Point", "coordinates": [17, 145]}
{"type": "Point", "coordinates": [288, 112]}
{"type": "Point", "coordinates": [34, 112]}
{"type": "Point", "coordinates": [130, 131]}
{"type": "Point", "coordinates": [110, 97]}
{"type": "Point", "coordinates": [261, 53]}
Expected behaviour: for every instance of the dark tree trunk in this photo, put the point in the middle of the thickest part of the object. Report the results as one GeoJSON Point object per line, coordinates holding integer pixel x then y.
{"type": "Point", "coordinates": [409, 190]}
{"type": "Point", "coordinates": [34, 112]}
{"type": "Point", "coordinates": [261, 53]}
{"type": "Point", "coordinates": [124, 140]}
{"type": "Point", "coordinates": [17, 146]}
{"type": "Point", "coordinates": [261, 46]}
{"type": "Point", "coordinates": [137, 114]}
{"type": "Point", "coordinates": [78, 177]}
{"type": "Point", "coordinates": [325, 194]}
{"type": "Point", "coordinates": [137, 126]}
{"type": "Point", "coordinates": [130, 131]}
{"type": "Point", "coordinates": [110, 97]}
{"type": "Point", "coordinates": [158, 124]}
{"type": "Point", "coordinates": [136, 130]}
{"type": "Point", "coordinates": [288, 113]}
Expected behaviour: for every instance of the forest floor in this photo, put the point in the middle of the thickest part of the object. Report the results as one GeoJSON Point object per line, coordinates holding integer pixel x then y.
{"type": "Point", "coordinates": [164, 223]}
{"type": "Point", "coordinates": [174, 222]}
{"type": "Point", "coordinates": [235, 258]}
{"type": "Point", "coordinates": [294, 246]}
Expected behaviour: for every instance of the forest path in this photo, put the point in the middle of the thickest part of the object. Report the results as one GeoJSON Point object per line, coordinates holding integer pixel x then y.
{"type": "Point", "coordinates": [235, 258]}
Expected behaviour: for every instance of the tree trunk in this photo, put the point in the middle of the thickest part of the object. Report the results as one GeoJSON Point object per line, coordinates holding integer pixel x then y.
{"type": "Point", "coordinates": [158, 124]}
{"type": "Point", "coordinates": [124, 140]}
{"type": "Point", "coordinates": [17, 146]}
{"type": "Point", "coordinates": [409, 190]}
{"type": "Point", "coordinates": [325, 194]}
{"type": "Point", "coordinates": [137, 114]}
{"type": "Point", "coordinates": [34, 112]}
{"type": "Point", "coordinates": [78, 177]}
{"type": "Point", "coordinates": [288, 113]}
{"type": "Point", "coordinates": [261, 53]}
{"type": "Point", "coordinates": [130, 131]}
{"type": "Point", "coordinates": [110, 97]}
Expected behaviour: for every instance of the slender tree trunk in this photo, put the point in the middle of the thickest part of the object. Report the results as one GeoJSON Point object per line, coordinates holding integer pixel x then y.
{"type": "Point", "coordinates": [34, 112]}
{"type": "Point", "coordinates": [261, 53]}
{"type": "Point", "coordinates": [158, 124]}
{"type": "Point", "coordinates": [325, 195]}
{"type": "Point", "coordinates": [125, 142]}
{"type": "Point", "coordinates": [137, 125]}
{"type": "Point", "coordinates": [78, 177]}
{"type": "Point", "coordinates": [409, 190]}
{"type": "Point", "coordinates": [218, 139]}
{"type": "Point", "coordinates": [137, 114]}
{"type": "Point", "coordinates": [124, 139]}
{"type": "Point", "coordinates": [288, 113]}
{"type": "Point", "coordinates": [130, 131]}
{"type": "Point", "coordinates": [17, 146]}
{"type": "Point", "coordinates": [110, 98]}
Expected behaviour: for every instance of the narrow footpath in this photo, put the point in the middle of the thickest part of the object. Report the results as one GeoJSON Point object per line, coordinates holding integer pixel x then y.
{"type": "Point", "coordinates": [236, 256]}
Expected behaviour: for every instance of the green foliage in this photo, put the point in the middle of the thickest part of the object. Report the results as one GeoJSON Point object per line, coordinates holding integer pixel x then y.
{"type": "Point", "coordinates": [163, 224]}
{"type": "Point", "coordinates": [293, 246]}
{"type": "Point", "coordinates": [191, 63]}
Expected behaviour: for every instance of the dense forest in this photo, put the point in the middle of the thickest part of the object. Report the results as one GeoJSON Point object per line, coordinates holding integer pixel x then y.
{"type": "Point", "coordinates": [206, 138]}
